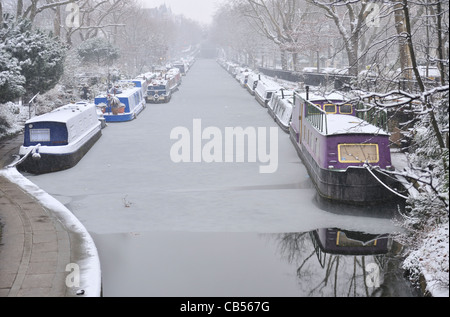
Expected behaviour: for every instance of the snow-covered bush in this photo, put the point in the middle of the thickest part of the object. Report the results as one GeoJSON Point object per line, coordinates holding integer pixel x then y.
{"type": "Point", "coordinates": [39, 55]}
{"type": "Point", "coordinates": [11, 80]}
{"type": "Point", "coordinates": [98, 51]}
{"type": "Point", "coordinates": [12, 117]}
{"type": "Point", "coordinates": [427, 218]}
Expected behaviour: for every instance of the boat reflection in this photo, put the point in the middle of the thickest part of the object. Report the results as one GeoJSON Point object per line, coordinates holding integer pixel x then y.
{"type": "Point", "coordinates": [340, 263]}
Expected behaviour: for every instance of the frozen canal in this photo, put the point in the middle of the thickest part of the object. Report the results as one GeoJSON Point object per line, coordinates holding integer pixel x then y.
{"type": "Point", "coordinates": [211, 229]}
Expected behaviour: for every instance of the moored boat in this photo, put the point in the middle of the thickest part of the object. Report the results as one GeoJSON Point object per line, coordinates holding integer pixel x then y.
{"type": "Point", "coordinates": [160, 89]}
{"type": "Point", "coordinates": [265, 89]}
{"type": "Point", "coordinates": [59, 139]}
{"type": "Point", "coordinates": [252, 82]}
{"type": "Point", "coordinates": [121, 105]}
{"type": "Point", "coordinates": [347, 158]}
{"type": "Point", "coordinates": [280, 108]}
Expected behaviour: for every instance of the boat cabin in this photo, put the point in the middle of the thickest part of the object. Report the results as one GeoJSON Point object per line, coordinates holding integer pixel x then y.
{"type": "Point", "coordinates": [121, 106]}
{"type": "Point", "coordinates": [59, 139]}
{"type": "Point", "coordinates": [265, 89]}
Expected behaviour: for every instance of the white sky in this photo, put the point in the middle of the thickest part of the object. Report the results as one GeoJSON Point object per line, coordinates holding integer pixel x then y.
{"type": "Point", "coordinates": [200, 10]}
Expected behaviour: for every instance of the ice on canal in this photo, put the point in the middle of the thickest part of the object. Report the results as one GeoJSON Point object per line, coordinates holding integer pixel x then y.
{"type": "Point", "coordinates": [141, 206]}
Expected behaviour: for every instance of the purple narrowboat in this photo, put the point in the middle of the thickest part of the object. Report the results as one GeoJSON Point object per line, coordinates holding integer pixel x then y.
{"type": "Point", "coordinates": [346, 157]}
{"type": "Point", "coordinates": [344, 242]}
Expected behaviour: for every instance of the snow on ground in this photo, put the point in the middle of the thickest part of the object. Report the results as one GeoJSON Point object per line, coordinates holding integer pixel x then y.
{"type": "Point", "coordinates": [15, 115]}
{"type": "Point", "coordinates": [90, 263]}
{"type": "Point", "coordinates": [431, 260]}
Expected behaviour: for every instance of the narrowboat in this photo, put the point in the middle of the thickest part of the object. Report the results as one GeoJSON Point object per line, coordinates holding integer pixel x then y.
{"type": "Point", "coordinates": [265, 89]}
{"type": "Point", "coordinates": [280, 108]}
{"type": "Point", "coordinates": [242, 77]}
{"type": "Point", "coordinates": [345, 242]}
{"type": "Point", "coordinates": [160, 89]}
{"type": "Point", "coordinates": [252, 82]}
{"type": "Point", "coordinates": [58, 140]}
{"type": "Point", "coordinates": [182, 66]}
{"type": "Point", "coordinates": [121, 105]}
{"type": "Point", "coordinates": [347, 158]}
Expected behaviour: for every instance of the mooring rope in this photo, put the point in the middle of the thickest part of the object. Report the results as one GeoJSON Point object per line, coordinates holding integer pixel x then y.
{"type": "Point", "coordinates": [379, 180]}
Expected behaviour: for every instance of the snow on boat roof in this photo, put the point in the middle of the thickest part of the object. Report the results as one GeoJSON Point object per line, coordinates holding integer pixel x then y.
{"type": "Point", "coordinates": [345, 124]}
{"type": "Point", "coordinates": [63, 114]}
{"type": "Point", "coordinates": [269, 84]}
{"type": "Point", "coordinates": [316, 97]}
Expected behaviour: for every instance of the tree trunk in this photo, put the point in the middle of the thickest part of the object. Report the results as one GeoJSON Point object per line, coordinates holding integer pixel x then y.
{"type": "Point", "coordinates": [295, 61]}
{"type": "Point", "coordinates": [57, 22]}
{"type": "Point", "coordinates": [400, 25]}
{"type": "Point", "coordinates": [1, 12]}
{"type": "Point", "coordinates": [440, 48]}
{"type": "Point", "coordinates": [434, 123]}
{"type": "Point", "coordinates": [284, 63]}
{"type": "Point", "coordinates": [19, 10]}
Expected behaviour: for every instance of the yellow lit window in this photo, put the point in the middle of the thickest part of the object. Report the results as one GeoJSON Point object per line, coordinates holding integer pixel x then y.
{"type": "Point", "coordinates": [358, 153]}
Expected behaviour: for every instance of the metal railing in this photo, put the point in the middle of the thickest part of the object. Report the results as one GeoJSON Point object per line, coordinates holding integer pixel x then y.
{"type": "Point", "coordinates": [317, 117]}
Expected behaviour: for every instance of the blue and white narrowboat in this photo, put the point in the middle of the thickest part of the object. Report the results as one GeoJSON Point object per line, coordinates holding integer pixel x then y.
{"type": "Point", "coordinates": [347, 158]}
{"type": "Point", "coordinates": [160, 89]}
{"type": "Point", "coordinates": [59, 139]}
{"type": "Point", "coordinates": [265, 89]}
{"type": "Point", "coordinates": [280, 108]}
{"type": "Point", "coordinates": [121, 105]}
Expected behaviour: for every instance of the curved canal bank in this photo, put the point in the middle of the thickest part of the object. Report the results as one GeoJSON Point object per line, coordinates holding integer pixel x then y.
{"type": "Point", "coordinates": [45, 251]}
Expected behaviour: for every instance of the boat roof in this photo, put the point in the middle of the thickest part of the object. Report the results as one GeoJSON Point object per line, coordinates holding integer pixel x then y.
{"type": "Point", "coordinates": [269, 84]}
{"type": "Point", "coordinates": [322, 97]}
{"type": "Point", "coordinates": [345, 124]}
{"type": "Point", "coordinates": [63, 114]}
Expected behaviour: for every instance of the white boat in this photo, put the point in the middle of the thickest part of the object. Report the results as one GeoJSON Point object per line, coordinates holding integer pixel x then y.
{"type": "Point", "coordinates": [59, 139]}
{"type": "Point", "coordinates": [280, 108]}
{"type": "Point", "coordinates": [265, 89]}
{"type": "Point", "coordinates": [252, 82]}
{"type": "Point", "coordinates": [242, 76]}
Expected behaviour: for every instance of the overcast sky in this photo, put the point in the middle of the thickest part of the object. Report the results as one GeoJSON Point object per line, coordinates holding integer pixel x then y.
{"type": "Point", "coordinates": [200, 10]}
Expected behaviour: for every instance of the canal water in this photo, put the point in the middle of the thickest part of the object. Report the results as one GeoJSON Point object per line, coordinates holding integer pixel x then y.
{"type": "Point", "coordinates": [165, 228]}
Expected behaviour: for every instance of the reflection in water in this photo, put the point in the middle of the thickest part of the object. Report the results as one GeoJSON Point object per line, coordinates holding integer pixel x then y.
{"type": "Point", "coordinates": [339, 263]}
{"type": "Point", "coordinates": [321, 263]}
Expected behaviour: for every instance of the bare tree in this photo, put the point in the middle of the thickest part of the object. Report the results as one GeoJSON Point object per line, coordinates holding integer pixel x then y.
{"type": "Point", "coordinates": [35, 7]}
{"type": "Point", "coordinates": [280, 21]}
{"type": "Point", "coordinates": [349, 18]}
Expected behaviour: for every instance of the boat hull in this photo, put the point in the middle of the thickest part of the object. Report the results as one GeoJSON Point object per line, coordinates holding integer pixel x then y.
{"type": "Point", "coordinates": [49, 163]}
{"type": "Point", "coordinates": [280, 123]}
{"type": "Point", "coordinates": [355, 185]}
{"type": "Point", "coordinates": [261, 101]}
{"type": "Point", "coordinates": [124, 117]}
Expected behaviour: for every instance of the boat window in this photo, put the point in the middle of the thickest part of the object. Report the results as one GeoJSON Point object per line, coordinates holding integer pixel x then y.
{"type": "Point", "coordinates": [330, 108]}
{"type": "Point", "coordinates": [343, 240]}
{"type": "Point", "coordinates": [40, 135]}
{"type": "Point", "coordinates": [358, 153]}
{"type": "Point", "coordinates": [346, 109]}
{"type": "Point", "coordinates": [269, 95]}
